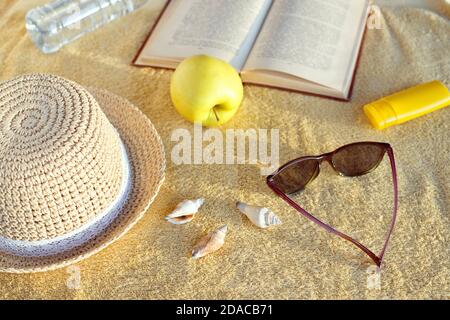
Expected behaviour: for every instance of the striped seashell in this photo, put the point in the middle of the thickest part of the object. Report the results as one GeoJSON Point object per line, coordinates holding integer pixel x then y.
{"type": "Point", "coordinates": [259, 216]}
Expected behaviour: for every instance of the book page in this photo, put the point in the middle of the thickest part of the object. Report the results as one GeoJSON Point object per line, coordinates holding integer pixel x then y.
{"type": "Point", "coordinates": [225, 29]}
{"type": "Point", "coordinates": [313, 39]}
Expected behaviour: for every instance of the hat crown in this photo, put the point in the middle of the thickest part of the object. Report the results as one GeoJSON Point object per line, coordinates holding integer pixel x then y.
{"type": "Point", "coordinates": [60, 158]}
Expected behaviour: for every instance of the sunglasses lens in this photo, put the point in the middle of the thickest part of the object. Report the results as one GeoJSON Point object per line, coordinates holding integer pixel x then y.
{"type": "Point", "coordinates": [296, 176]}
{"type": "Point", "coordinates": [358, 159]}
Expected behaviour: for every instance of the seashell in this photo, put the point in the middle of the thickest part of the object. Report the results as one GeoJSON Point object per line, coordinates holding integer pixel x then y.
{"type": "Point", "coordinates": [213, 241]}
{"type": "Point", "coordinates": [185, 211]}
{"type": "Point", "coordinates": [260, 216]}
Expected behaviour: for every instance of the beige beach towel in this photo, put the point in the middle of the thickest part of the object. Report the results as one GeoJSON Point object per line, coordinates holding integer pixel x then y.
{"type": "Point", "coordinates": [296, 259]}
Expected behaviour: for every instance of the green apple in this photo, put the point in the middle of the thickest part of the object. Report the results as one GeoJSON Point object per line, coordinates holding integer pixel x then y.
{"type": "Point", "coordinates": [206, 90]}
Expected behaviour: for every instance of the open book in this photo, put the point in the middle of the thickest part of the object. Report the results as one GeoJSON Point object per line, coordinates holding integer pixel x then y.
{"type": "Point", "coordinates": [302, 45]}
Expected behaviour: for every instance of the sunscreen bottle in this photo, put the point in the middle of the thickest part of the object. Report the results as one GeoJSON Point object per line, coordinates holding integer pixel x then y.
{"type": "Point", "coordinates": [407, 104]}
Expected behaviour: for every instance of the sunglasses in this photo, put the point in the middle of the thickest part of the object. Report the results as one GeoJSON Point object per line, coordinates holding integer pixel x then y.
{"type": "Point", "coordinates": [355, 159]}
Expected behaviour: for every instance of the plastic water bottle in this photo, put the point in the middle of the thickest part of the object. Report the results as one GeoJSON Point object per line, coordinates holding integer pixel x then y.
{"type": "Point", "coordinates": [62, 21]}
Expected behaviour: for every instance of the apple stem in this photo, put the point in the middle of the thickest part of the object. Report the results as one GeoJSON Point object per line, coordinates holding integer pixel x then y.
{"type": "Point", "coordinates": [215, 113]}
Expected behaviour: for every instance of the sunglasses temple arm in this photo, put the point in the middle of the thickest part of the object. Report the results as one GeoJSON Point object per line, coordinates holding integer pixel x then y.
{"type": "Point", "coordinates": [327, 227]}
{"type": "Point", "coordinates": [390, 153]}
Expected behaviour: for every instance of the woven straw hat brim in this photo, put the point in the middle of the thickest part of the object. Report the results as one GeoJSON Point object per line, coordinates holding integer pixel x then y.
{"type": "Point", "coordinates": [147, 161]}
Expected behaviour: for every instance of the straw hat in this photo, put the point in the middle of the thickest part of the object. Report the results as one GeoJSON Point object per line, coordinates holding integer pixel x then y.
{"type": "Point", "coordinates": [78, 168]}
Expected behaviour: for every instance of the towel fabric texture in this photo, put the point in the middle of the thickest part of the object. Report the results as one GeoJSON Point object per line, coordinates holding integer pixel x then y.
{"type": "Point", "coordinates": [296, 259]}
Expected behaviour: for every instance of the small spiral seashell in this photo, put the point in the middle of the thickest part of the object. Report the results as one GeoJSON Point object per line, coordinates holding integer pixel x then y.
{"type": "Point", "coordinates": [185, 211]}
{"type": "Point", "coordinates": [213, 241]}
{"type": "Point", "coordinates": [259, 216]}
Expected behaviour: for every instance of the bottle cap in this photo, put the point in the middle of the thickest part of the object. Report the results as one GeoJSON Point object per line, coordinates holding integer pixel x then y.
{"type": "Point", "coordinates": [381, 114]}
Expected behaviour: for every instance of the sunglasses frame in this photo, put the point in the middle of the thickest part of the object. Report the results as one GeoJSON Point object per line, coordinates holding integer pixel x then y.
{"type": "Point", "coordinates": [378, 259]}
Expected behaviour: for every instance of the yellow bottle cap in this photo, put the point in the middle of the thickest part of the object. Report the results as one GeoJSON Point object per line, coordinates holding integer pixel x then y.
{"type": "Point", "coordinates": [381, 114]}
